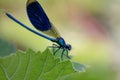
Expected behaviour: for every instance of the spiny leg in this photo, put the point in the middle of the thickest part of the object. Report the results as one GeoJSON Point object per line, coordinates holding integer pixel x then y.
{"type": "Point", "coordinates": [53, 47]}
{"type": "Point", "coordinates": [67, 54]}
{"type": "Point", "coordinates": [62, 54]}
{"type": "Point", "coordinates": [56, 50]}
{"type": "Point", "coordinates": [50, 47]}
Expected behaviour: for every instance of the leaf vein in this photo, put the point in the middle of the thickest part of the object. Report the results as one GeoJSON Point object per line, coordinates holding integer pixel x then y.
{"type": "Point", "coordinates": [60, 72]}
{"type": "Point", "coordinates": [5, 72]}
{"type": "Point", "coordinates": [17, 67]}
{"type": "Point", "coordinates": [43, 67]}
{"type": "Point", "coordinates": [27, 67]}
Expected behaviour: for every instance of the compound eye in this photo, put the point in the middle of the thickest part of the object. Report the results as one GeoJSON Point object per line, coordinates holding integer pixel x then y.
{"type": "Point", "coordinates": [69, 47]}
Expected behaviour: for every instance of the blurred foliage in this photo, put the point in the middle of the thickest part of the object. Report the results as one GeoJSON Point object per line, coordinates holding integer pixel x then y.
{"type": "Point", "coordinates": [6, 48]}
{"type": "Point", "coordinates": [95, 72]}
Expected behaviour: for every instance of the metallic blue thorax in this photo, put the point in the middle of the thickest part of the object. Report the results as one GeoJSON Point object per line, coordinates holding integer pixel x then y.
{"type": "Point", "coordinates": [61, 42]}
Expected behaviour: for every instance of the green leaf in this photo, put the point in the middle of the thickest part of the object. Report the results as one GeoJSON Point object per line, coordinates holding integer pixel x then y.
{"type": "Point", "coordinates": [6, 48]}
{"type": "Point", "coordinates": [34, 66]}
{"type": "Point", "coordinates": [79, 67]}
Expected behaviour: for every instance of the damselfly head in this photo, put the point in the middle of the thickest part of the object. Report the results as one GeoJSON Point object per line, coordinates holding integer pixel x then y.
{"type": "Point", "coordinates": [69, 47]}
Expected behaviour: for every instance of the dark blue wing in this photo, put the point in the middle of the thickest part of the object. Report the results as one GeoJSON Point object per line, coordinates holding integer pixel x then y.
{"type": "Point", "coordinates": [37, 16]}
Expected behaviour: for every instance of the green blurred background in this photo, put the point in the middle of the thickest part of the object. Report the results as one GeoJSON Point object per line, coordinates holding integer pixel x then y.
{"type": "Point", "coordinates": [90, 26]}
